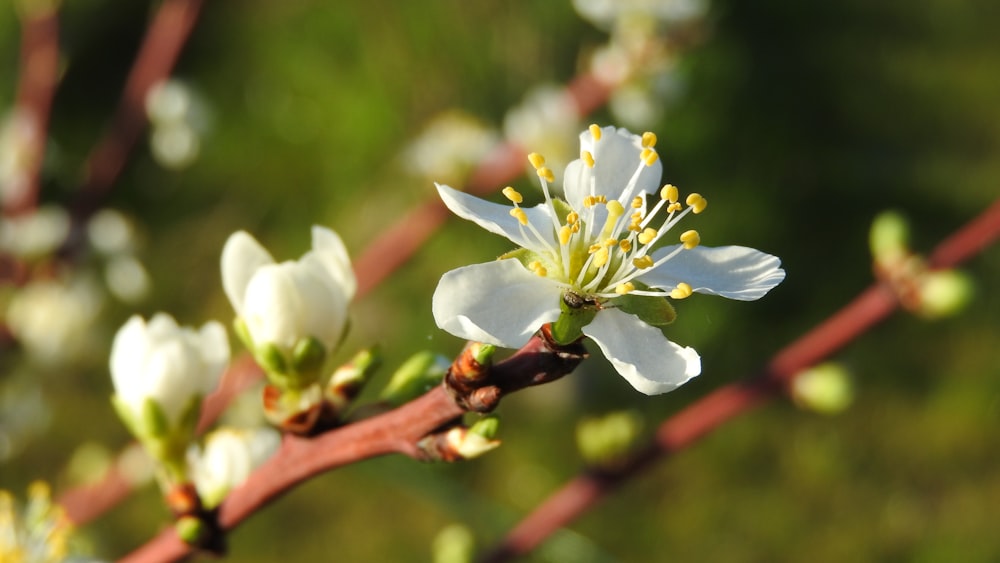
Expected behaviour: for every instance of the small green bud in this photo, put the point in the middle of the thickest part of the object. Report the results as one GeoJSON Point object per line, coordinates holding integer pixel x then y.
{"type": "Point", "coordinates": [421, 372]}
{"type": "Point", "coordinates": [889, 237]}
{"type": "Point", "coordinates": [190, 529]}
{"type": "Point", "coordinates": [487, 427]}
{"type": "Point", "coordinates": [607, 439]}
{"type": "Point", "coordinates": [483, 353]}
{"type": "Point", "coordinates": [308, 356]}
{"type": "Point", "coordinates": [825, 388]}
{"type": "Point", "coordinates": [454, 544]}
{"type": "Point", "coordinates": [272, 359]}
{"type": "Point", "coordinates": [944, 293]}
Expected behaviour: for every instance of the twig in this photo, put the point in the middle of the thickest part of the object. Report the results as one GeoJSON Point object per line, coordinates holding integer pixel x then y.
{"type": "Point", "coordinates": [396, 431]}
{"type": "Point", "coordinates": [683, 429]}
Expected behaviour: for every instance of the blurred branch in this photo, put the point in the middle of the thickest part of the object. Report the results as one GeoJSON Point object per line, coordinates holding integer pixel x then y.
{"type": "Point", "coordinates": [686, 427]}
{"type": "Point", "coordinates": [397, 431]}
{"type": "Point", "coordinates": [169, 30]}
{"type": "Point", "coordinates": [39, 73]}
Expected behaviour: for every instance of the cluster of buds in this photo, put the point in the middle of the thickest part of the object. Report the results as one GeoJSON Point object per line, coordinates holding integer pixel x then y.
{"type": "Point", "coordinates": [926, 292]}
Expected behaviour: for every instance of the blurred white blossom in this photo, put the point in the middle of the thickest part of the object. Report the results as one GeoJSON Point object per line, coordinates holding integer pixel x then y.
{"type": "Point", "coordinates": [227, 458]}
{"type": "Point", "coordinates": [34, 234]}
{"type": "Point", "coordinates": [178, 117]}
{"type": "Point", "coordinates": [451, 144]}
{"type": "Point", "coordinates": [53, 319]}
{"type": "Point", "coordinates": [547, 121]}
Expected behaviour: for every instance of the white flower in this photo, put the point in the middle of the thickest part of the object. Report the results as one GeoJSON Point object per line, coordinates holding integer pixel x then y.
{"type": "Point", "coordinates": [170, 365]}
{"type": "Point", "coordinates": [228, 458]}
{"type": "Point", "coordinates": [283, 305]}
{"type": "Point", "coordinates": [592, 265]}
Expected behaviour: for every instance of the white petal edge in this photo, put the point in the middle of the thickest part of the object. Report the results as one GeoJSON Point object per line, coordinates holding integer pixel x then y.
{"type": "Point", "coordinates": [128, 353]}
{"type": "Point", "coordinates": [735, 272]}
{"type": "Point", "coordinates": [641, 354]}
{"type": "Point", "coordinates": [496, 218]}
{"type": "Point", "coordinates": [499, 303]}
{"type": "Point", "coordinates": [330, 249]}
{"type": "Point", "coordinates": [616, 158]}
{"type": "Point", "coordinates": [242, 255]}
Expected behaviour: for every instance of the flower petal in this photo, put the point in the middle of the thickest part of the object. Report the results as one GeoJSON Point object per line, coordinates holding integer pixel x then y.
{"type": "Point", "coordinates": [332, 254]}
{"type": "Point", "coordinates": [241, 257]}
{"type": "Point", "coordinates": [496, 218]}
{"type": "Point", "coordinates": [498, 303]}
{"type": "Point", "coordinates": [736, 272]}
{"type": "Point", "coordinates": [641, 354]}
{"type": "Point", "coordinates": [616, 158]}
{"type": "Point", "coordinates": [128, 354]}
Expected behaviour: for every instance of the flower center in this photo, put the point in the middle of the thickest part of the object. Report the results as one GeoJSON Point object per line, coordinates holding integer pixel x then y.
{"type": "Point", "coordinates": [600, 248]}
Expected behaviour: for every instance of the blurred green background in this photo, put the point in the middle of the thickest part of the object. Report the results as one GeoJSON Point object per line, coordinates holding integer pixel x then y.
{"type": "Point", "coordinates": [799, 121]}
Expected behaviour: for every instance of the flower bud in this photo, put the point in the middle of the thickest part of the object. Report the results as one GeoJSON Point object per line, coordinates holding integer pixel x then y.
{"type": "Point", "coordinates": [607, 439]}
{"type": "Point", "coordinates": [292, 315]}
{"type": "Point", "coordinates": [421, 372]}
{"type": "Point", "coordinates": [347, 380]}
{"type": "Point", "coordinates": [454, 544]}
{"type": "Point", "coordinates": [944, 293]}
{"type": "Point", "coordinates": [825, 388]}
{"type": "Point", "coordinates": [227, 459]}
{"type": "Point", "coordinates": [889, 238]}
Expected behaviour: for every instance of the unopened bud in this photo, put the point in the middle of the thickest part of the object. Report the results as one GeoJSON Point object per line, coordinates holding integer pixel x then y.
{"type": "Point", "coordinates": [607, 439]}
{"type": "Point", "coordinates": [347, 380]}
{"type": "Point", "coordinates": [415, 377]}
{"type": "Point", "coordinates": [454, 544]}
{"type": "Point", "coordinates": [889, 238]}
{"type": "Point", "coordinates": [825, 388]}
{"type": "Point", "coordinates": [944, 293]}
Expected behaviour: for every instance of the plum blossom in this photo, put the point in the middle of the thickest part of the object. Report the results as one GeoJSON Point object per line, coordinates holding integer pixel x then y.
{"type": "Point", "coordinates": [592, 265]}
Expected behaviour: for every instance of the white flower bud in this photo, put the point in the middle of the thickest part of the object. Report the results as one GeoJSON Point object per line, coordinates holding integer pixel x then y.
{"type": "Point", "coordinates": [165, 363]}
{"type": "Point", "coordinates": [228, 458]}
{"type": "Point", "coordinates": [283, 305]}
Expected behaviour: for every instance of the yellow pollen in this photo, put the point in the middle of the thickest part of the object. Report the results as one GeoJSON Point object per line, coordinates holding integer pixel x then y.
{"type": "Point", "coordinates": [537, 268]}
{"type": "Point", "coordinates": [615, 209]}
{"type": "Point", "coordinates": [643, 263]}
{"type": "Point", "coordinates": [637, 202]}
{"type": "Point", "coordinates": [565, 232]}
{"type": "Point", "coordinates": [647, 236]}
{"type": "Point", "coordinates": [600, 258]}
{"type": "Point", "coordinates": [648, 140]}
{"type": "Point", "coordinates": [675, 206]}
{"type": "Point", "coordinates": [649, 156]}
{"type": "Point", "coordinates": [572, 217]}
{"type": "Point", "coordinates": [635, 225]}
{"type": "Point", "coordinates": [513, 195]}
{"type": "Point", "coordinates": [587, 158]}
{"type": "Point", "coordinates": [670, 193]}
{"type": "Point", "coordinates": [690, 239]}
{"type": "Point", "coordinates": [576, 227]}
{"type": "Point", "coordinates": [536, 160]}
{"type": "Point", "coordinates": [595, 132]}
{"type": "Point", "coordinates": [625, 245]}
{"type": "Point", "coordinates": [609, 242]}
{"type": "Point", "coordinates": [623, 288]}
{"type": "Point", "coordinates": [682, 291]}
{"type": "Point", "coordinates": [593, 248]}
{"type": "Point", "coordinates": [589, 201]}
{"type": "Point", "coordinates": [520, 215]}
{"type": "Point", "coordinates": [546, 174]}
{"type": "Point", "coordinates": [697, 203]}
{"type": "Point", "coordinates": [637, 216]}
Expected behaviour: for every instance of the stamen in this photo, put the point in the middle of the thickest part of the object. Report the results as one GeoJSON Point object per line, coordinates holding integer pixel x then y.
{"type": "Point", "coordinates": [615, 209]}
{"type": "Point", "coordinates": [674, 207]}
{"type": "Point", "coordinates": [536, 160]}
{"type": "Point", "coordinates": [546, 174]}
{"type": "Point", "coordinates": [600, 258]}
{"type": "Point", "coordinates": [572, 218]}
{"type": "Point", "coordinates": [637, 202]}
{"type": "Point", "coordinates": [595, 132]}
{"type": "Point", "coordinates": [648, 140]}
{"type": "Point", "coordinates": [670, 193]}
{"type": "Point", "coordinates": [648, 236]}
{"type": "Point", "coordinates": [565, 232]}
{"type": "Point", "coordinates": [649, 157]}
{"type": "Point", "coordinates": [587, 158]}
{"type": "Point", "coordinates": [623, 288]}
{"type": "Point", "coordinates": [643, 263]}
{"type": "Point", "coordinates": [682, 291]}
{"type": "Point", "coordinates": [513, 195]}
{"type": "Point", "coordinates": [625, 245]}
{"type": "Point", "coordinates": [520, 215]}
{"type": "Point", "coordinates": [690, 239]}
{"type": "Point", "coordinates": [537, 268]}
{"type": "Point", "coordinates": [697, 203]}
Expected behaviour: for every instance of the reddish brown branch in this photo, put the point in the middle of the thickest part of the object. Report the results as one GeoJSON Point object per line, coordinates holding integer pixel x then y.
{"type": "Point", "coordinates": [698, 419]}
{"type": "Point", "coordinates": [166, 36]}
{"type": "Point", "coordinates": [39, 73]}
{"type": "Point", "coordinates": [396, 431]}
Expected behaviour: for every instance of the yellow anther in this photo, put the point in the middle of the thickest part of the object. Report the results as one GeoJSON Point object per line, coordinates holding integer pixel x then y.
{"type": "Point", "coordinates": [635, 225]}
{"type": "Point", "coordinates": [690, 239]}
{"type": "Point", "coordinates": [675, 206]}
{"type": "Point", "coordinates": [648, 140]}
{"type": "Point", "coordinates": [565, 232]}
{"type": "Point", "coordinates": [593, 248]}
{"type": "Point", "coordinates": [537, 268]}
{"type": "Point", "coordinates": [576, 227]}
{"type": "Point", "coordinates": [536, 160]}
{"type": "Point", "coordinates": [600, 258]}
{"type": "Point", "coordinates": [643, 263]}
{"type": "Point", "coordinates": [572, 217]}
{"type": "Point", "coordinates": [615, 209]}
{"type": "Point", "coordinates": [587, 158]}
{"type": "Point", "coordinates": [589, 201]}
{"type": "Point", "coordinates": [637, 216]}
{"type": "Point", "coordinates": [647, 236]}
{"type": "Point", "coordinates": [609, 242]}
{"type": "Point", "coordinates": [670, 193]}
{"type": "Point", "coordinates": [637, 202]}
{"type": "Point", "coordinates": [649, 156]}
{"type": "Point", "coordinates": [546, 174]}
{"type": "Point", "coordinates": [682, 291]}
{"type": "Point", "coordinates": [623, 288]}
{"type": "Point", "coordinates": [595, 132]}
{"type": "Point", "coordinates": [513, 195]}
{"type": "Point", "coordinates": [602, 199]}
{"type": "Point", "coordinates": [520, 215]}
{"type": "Point", "coordinates": [697, 203]}
{"type": "Point", "coordinates": [625, 245]}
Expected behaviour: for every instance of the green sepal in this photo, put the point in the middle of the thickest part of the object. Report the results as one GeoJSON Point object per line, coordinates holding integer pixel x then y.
{"type": "Point", "coordinates": [243, 333]}
{"type": "Point", "coordinates": [487, 427]}
{"type": "Point", "coordinates": [272, 359]}
{"type": "Point", "coordinates": [562, 209]}
{"type": "Point", "coordinates": [308, 356]}
{"type": "Point", "coordinates": [154, 421]}
{"type": "Point", "coordinates": [188, 422]}
{"type": "Point", "coordinates": [568, 328]}
{"type": "Point", "coordinates": [127, 416]}
{"type": "Point", "coordinates": [522, 255]}
{"type": "Point", "coordinates": [655, 311]}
